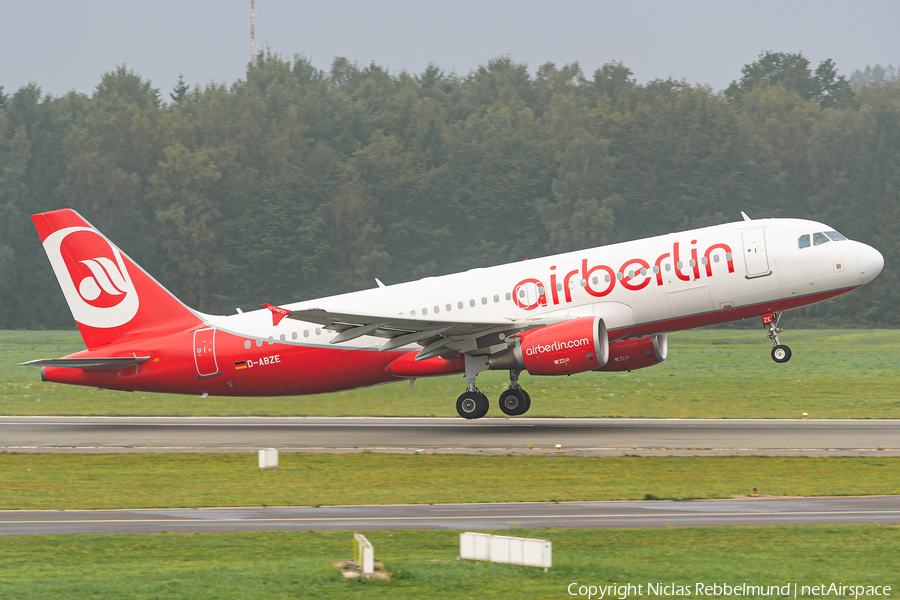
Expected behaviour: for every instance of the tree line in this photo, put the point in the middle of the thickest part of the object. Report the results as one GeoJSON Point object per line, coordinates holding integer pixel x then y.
{"type": "Point", "coordinates": [297, 182]}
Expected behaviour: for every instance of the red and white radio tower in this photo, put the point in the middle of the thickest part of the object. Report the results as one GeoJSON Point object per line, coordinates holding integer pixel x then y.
{"type": "Point", "coordinates": [253, 33]}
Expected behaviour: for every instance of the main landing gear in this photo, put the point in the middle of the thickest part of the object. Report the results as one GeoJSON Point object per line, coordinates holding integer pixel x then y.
{"type": "Point", "coordinates": [473, 404]}
{"type": "Point", "coordinates": [780, 352]}
{"type": "Point", "coordinates": [515, 401]}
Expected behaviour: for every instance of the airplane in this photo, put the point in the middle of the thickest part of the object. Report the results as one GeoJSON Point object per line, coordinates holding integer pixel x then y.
{"type": "Point", "coordinates": [601, 309]}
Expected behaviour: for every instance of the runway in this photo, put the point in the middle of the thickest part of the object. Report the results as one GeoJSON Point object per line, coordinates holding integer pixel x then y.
{"type": "Point", "coordinates": [566, 515]}
{"type": "Point", "coordinates": [588, 437]}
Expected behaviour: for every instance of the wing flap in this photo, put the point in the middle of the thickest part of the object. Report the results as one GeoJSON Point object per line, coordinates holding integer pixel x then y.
{"type": "Point", "coordinates": [393, 326]}
{"type": "Point", "coordinates": [436, 336]}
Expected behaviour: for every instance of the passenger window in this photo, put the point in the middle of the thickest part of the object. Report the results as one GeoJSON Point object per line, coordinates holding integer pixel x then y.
{"type": "Point", "coordinates": [803, 242]}
{"type": "Point", "coordinates": [834, 235]}
{"type": "Point", "coordinates": [819, 239]}
{"type": "Point", "coordinates": [496, 298]}
{"type": "Point", "coordinates": [508, 296]}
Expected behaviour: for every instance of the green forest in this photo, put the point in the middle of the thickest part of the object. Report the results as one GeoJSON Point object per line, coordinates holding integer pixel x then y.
{"type": "Point", "coordinates": [297, 182]}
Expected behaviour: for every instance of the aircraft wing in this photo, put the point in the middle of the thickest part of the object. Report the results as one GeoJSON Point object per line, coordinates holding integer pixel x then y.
{"type": "Point", "coordinates": [436, 336]}
{"type": "Point", "coordinates": [101, 363]}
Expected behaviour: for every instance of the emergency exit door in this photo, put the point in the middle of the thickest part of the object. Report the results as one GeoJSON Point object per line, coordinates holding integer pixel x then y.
{"type": "Point", "coordinates": [205, 352]}
{"type": "Point", "coordinates": [755, 257]}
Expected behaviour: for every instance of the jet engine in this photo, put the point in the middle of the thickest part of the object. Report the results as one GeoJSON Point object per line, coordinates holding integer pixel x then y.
{"type": "Point", "coordinates": [629, 355]}
{"type": "Point", "coordinates": [561, 349]}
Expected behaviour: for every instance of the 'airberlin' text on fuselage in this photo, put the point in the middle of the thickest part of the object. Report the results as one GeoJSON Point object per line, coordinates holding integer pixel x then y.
{"type": "Point", "coordinates": [634, 274]}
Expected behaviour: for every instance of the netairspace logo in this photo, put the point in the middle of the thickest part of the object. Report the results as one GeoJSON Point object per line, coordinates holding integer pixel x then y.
{"type": "Point", "coordinates": [719, 590]}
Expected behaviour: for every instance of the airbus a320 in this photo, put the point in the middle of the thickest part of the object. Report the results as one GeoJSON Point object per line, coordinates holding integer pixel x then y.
{"type": "Point", "coordinates": [602, 309]}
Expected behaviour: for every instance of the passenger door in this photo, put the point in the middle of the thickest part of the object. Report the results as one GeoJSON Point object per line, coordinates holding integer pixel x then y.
{"type": "Point", "coordinates": [205, 352]}
{"type": "Point", "coordinates": [755, 257]}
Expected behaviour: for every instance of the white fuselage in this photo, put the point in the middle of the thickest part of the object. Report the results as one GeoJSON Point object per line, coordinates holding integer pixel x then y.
{"type": "Point", "coordinates": [687, 279]}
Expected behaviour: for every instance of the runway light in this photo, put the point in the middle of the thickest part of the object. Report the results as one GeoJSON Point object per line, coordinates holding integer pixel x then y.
{"type": "Point", "coordinates": [805, 415]}
{"type": "Point", "coordinates": [754, 491]}
{"type": "Point", "coordinates": [559, 448]}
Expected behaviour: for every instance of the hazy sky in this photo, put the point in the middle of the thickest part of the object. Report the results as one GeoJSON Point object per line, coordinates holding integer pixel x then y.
{"type": "Point", "coordinates": [68, 44]}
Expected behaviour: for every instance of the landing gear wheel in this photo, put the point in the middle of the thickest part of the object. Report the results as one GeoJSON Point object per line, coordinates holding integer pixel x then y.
{"type": "Point", "coordinates": [514, 402]}
{"type": "Point", "coordinates": [781, 354]}
{"type": "Point", "coordinates": [472, 405]}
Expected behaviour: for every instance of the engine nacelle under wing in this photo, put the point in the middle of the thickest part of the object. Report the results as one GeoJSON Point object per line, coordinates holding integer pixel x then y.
{"type": "Point", "coordinates": [561, 349]}
{"type": "Point", "coordinates": [629, 355]}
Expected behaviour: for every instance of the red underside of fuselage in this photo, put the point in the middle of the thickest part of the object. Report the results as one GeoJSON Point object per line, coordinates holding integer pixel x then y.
{"type": "Point", "coordinates": [300, 370]}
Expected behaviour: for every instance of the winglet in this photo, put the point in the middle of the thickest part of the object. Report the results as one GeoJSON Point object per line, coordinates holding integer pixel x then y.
{"type": "Point", "coordinates": [278, 313]}
{"type": "Point", "coordinates": [378, 281]}
{"type": "Point", "coordinates": [746, 218]}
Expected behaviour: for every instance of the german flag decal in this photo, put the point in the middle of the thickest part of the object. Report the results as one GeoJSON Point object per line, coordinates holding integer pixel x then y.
{"type": "Point", "coordinates": [241, 364]}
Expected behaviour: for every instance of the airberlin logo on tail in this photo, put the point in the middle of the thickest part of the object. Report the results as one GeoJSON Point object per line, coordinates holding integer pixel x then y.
{"type": "Point", "coordinates": [106, 278]}
{"type": "Point", "coordinates": [93, 277]}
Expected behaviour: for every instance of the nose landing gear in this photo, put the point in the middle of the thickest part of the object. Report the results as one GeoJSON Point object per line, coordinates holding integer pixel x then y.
{"type": "Point", "coordinates": [780, 352]}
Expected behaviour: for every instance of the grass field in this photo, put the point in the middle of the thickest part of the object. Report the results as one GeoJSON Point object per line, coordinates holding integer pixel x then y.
{"type": "Point", "coordinates": [94, 481]}
{"type": "Point", "coordinates": [280, 565]}
{"type": "Point", "coordinates": [711, 373]}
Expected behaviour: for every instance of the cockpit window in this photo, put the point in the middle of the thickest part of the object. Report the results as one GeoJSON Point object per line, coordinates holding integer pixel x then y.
{"type": "Point", "coordinates": [834, 235]}
{"type": "Point", "coordinates": [819, 239]}
{"type": "Point", "coordinates": [803, 242]}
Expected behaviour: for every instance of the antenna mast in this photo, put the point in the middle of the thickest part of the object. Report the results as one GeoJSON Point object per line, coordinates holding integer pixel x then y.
{"type": "Point", "coordinates": [252, 33]}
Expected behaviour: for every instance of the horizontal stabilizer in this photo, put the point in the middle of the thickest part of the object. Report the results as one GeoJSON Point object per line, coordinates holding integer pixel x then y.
{"type": "Point", "coordinates": [100, 363]}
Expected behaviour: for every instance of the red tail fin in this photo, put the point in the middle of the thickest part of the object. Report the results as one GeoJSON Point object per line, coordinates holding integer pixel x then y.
{"type": "Point", "coordinates": [109, 295]}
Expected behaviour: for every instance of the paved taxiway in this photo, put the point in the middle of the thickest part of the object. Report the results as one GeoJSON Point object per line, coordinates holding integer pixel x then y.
{"type": "Point", "coordinates": [489, 435]}
{"type": "Point", "coordinates": [566, 515]}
